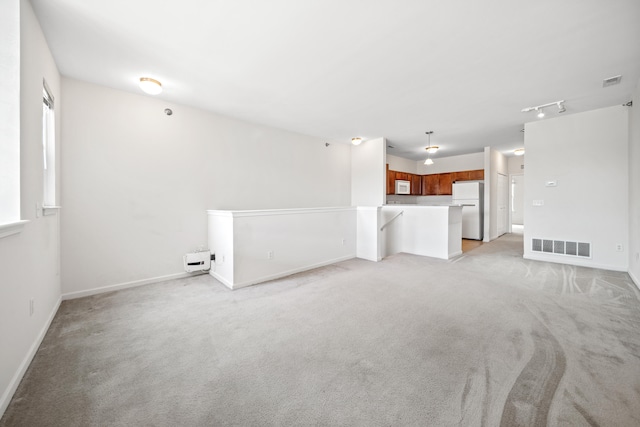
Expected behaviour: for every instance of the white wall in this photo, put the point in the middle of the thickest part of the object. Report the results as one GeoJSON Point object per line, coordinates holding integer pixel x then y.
{"type": "Point", "coordinates": [634, 187]}
{"type": "Point", "coordinates": [29, 261]}
{"type": "Point", "coordinates": [137, 183]}
{"type": "Point", "coordinates": [515, 164]}
{"type": "Point", "coordinates": [369, 173]}
{"type": "Point", "coordinates": [401, 164]}
{"type": "Point", "coordinates": [587, 154]}
{"type": "Point", "coordinates": [463, 162]}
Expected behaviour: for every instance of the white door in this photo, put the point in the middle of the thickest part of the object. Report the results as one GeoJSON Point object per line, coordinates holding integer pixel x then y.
{"type": "Point", "coordinates": [517, 199]}
{"type": "Point", "coordinates": [503, 197]}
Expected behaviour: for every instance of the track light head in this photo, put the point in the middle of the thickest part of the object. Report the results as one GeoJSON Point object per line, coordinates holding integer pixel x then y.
{"type": "Point", "coordinates": [561, 108]}
{"type": "Point", "coordinates": [540, 113]}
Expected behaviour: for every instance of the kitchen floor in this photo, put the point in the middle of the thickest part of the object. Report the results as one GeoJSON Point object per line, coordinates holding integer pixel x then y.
{"type": "Point", "coordinates": [468, 244]}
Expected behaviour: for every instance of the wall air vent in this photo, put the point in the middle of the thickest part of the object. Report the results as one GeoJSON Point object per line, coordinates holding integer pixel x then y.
{"type": "Point", "coordinates": [561, 247]}
{"type": "Point", "coordinates": [611, 81]}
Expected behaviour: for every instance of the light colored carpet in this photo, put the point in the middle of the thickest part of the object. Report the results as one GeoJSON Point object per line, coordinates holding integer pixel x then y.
{"type": "Point", "coordinates": [486, 339]}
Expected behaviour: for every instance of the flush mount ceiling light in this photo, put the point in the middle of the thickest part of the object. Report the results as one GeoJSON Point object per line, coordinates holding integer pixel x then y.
{"type": "Point", "coordinates": [430, 149]}
{"type": "Point", "coordinates": [518, 151]}
{"type": "Point", "coordinates": [356, 141]}
{"type": "Point", "coordinates": [150, 86]}
{"type": "Point", "coordinates": [539, 108]}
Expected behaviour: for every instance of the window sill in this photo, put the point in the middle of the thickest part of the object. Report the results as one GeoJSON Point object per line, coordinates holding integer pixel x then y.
{"type": "Point", "coordinates": [11, 228]}
{"type": "Point", "coordinates": [50, 210]}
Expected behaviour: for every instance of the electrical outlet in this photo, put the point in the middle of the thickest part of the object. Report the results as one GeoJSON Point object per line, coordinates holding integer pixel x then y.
{"type": "Point", "coordinates": [619, 247]}
{"type": "Point", "coordinates": [270, 255]}
{"type": "Point", "coordinates": [31, 306]}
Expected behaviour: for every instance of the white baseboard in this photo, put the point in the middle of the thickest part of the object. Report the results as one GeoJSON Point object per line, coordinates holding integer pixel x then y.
{"type": "Point", "coordinates": [126, 285]}
{"type": "Point", "coordinates": [280, 274]}
{"type": "Point", "coordinates": [568, 260]}
{"type": "Point", "coordinates": [635, 279]}
{"type": "Point", "coordinates": [17, 377]}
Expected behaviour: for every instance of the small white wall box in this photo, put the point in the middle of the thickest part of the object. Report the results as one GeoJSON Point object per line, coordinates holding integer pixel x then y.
{"type": "Point", "coordinates": [197, 261]}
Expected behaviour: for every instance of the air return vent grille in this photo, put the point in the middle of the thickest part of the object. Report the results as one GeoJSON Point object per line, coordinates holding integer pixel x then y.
{"type": "Point", "coordinates": [611, 81]}
{"type": "Point", "coordinates": [561, 247]}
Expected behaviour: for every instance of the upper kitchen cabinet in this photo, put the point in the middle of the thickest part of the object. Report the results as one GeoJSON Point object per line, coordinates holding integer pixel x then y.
{"type": "Point", "coordinates": [403, 176]}
{"type": "Point", "coordinates": [437, 184]}
{"type": "Point", "coordinates": [430, 184]}
{"type": "Point", "coordinates": [476, 175]}
{"type": "Point", "coordinates": [445, 184]}
{"type": "Point", "coordinates": [391, 181]}
{"type": "Point", "coordinates": [473, 175]}
{"type": "Point", "coordinates": [416, 185]}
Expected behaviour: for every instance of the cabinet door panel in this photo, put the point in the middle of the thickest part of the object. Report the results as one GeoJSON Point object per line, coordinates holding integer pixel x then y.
{"type": "Point", "coordinates": [460, 176]}
{"type": "Point", "coordinates": [430, 185]}
{"type": "Point", "coordinates": [416, 184]}
{"type": "Point", "coordinates": [404, 176]}
{"type": "Point", "coordinates": [445, 184]}
{"type": "Point", "coordinates": [391, 181]}
{"type": "Point", "coordinates": [476, 175]}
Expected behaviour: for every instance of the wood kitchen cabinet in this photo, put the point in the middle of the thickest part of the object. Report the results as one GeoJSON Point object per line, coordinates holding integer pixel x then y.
{"type": "Point", "coordinates": [437, 184]}
{"type": "Point", "coordinates": [391, 181]}
{"type": "Point", "coordinates": [472, 175]}
{"type": "Point", "coordinates": [430, 184]}
{"type": "Point", "coordinates": [445, 181]}
{"type": "Point", "coordinates": [416, 184]}
{"type": "Point", "coordinates": [403, 176]}
{"type": "Point", "coordinates": [476, 175]}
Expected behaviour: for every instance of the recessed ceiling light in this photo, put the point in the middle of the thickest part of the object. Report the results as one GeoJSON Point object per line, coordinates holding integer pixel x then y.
{"type": "Point", "coordinates": [150, 86]}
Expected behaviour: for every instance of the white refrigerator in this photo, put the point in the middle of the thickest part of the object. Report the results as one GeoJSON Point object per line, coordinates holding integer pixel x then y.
{"type": "Point", "coordinates": [470, 194]}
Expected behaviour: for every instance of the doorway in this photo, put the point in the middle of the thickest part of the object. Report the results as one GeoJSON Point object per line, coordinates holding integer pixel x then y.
{"type": "Point", "coordinates": [503, 198]}
{"type": "Point", "coordinates": [517, 203]}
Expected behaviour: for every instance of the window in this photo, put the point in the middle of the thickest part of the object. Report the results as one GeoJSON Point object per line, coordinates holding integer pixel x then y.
{"type": "Point", "coordinates": [10, 222]}
{"type": "Point", "coordinates": [48, 148]}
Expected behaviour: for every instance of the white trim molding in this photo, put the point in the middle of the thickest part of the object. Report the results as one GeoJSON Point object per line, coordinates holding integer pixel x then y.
{"type": "Point", "coordinates": [12, 228]}
{"type": "Point", "coordinates": [5, 399]}
{"type": "Point", "coordinates": [126, 285]}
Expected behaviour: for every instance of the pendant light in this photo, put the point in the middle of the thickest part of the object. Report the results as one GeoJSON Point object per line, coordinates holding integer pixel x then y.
{"type": "Point", "coordinates": [431, 149]}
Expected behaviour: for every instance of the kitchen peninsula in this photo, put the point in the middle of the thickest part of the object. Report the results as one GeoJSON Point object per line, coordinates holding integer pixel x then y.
{"type": "Point", "coordinates": [434, 231]}
{"type": "Point", "coordinates": [253, 246]}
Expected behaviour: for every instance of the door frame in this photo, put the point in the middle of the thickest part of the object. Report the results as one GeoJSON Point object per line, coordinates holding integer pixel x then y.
{"type": "Point", "coordinates": [511, 175]}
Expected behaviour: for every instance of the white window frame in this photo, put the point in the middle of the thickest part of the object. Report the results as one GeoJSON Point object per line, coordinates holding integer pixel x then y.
{"type": "Point", "coordinates": [10, 222]}
{"type": "Point", "coordinates": [49, 205]}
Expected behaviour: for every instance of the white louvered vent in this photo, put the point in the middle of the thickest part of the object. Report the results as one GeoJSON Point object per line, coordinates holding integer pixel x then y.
{"type": "Point", "coordinates": [561, 247]}
{"type": "Point", "coordinates": [611, 81]}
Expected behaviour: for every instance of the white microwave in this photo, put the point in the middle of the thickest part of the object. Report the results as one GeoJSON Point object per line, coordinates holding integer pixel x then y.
{"type": "Point", "coordinates": [403, 187]}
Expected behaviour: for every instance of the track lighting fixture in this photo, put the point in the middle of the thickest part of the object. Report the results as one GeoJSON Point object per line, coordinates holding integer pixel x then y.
{"type": "Point", "coordinates": [561, 108]}
{"type": "Point", "coordinates": [431, 149]}
{"type": "Point", "coordinates": [539, 109]}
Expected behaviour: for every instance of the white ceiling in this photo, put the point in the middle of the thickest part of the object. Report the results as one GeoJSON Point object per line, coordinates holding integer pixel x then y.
{"type": "Point", "coordinates": [342, 68]}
